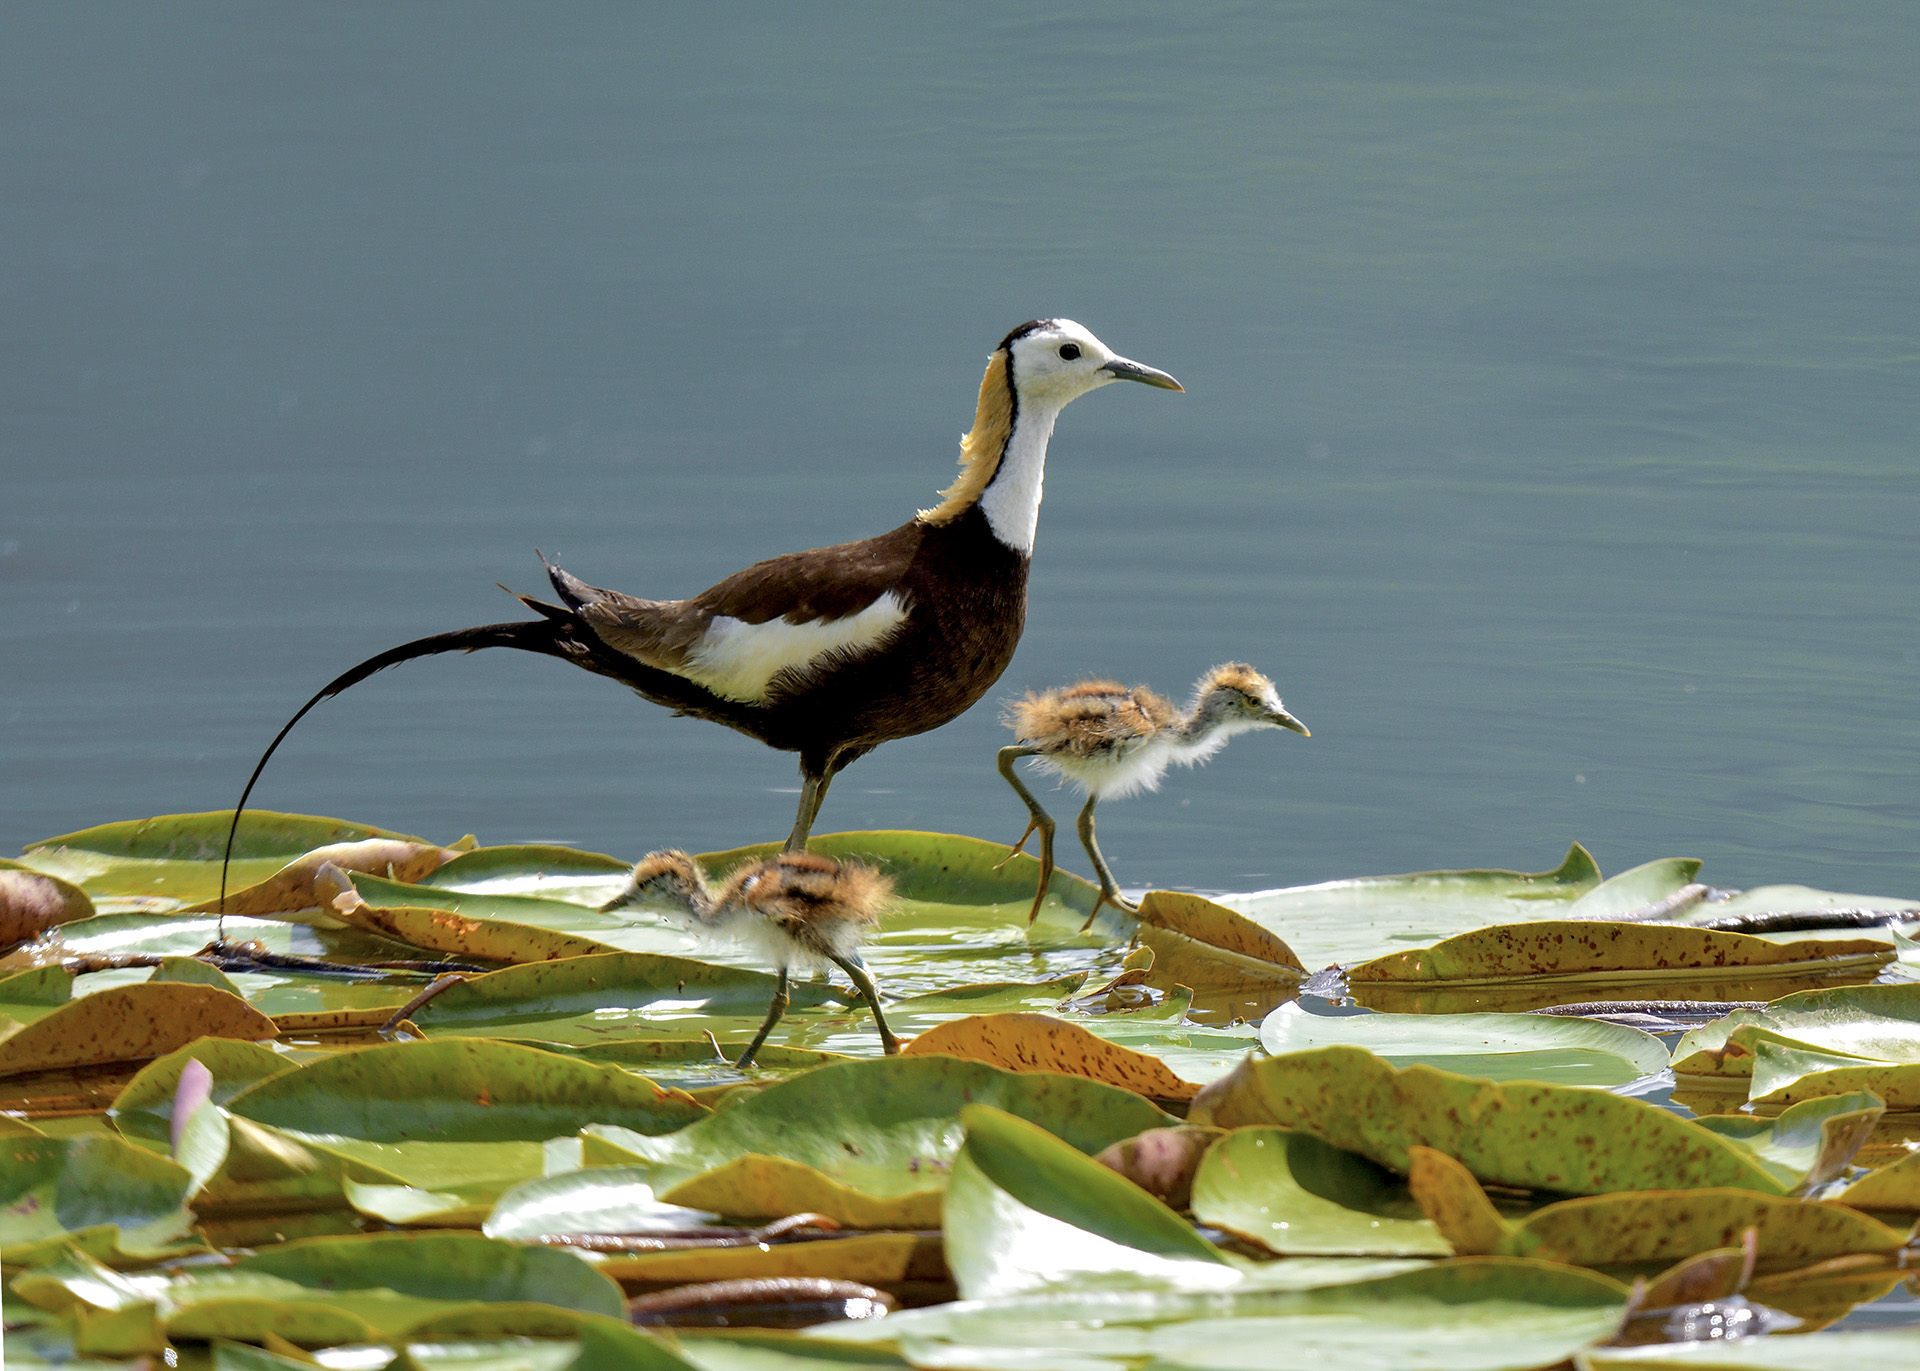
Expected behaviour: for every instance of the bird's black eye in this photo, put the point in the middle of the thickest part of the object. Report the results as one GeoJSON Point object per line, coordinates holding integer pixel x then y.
{"type": "Point", "coordinates": [1069, 351]}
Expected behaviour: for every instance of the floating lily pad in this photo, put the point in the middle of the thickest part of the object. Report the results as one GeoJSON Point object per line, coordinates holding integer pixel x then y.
{"type": "Point", "coordinates": [1498, 1047]}
{"type": "Point", "coordinates": [459, 1090]}
{"type": "Point", "coordinates": [1035, 1042]}
{"type": "Point", "coordinates": [1642, 1228]}
{"type": "Point", "coordinates": [292, 887]}
{"type": "Point", "coordinates": [1295, 1195]}
{"type": "Point", "coordinates": [143, 1112]}
{"type": "Point", "coordinates": [130, 1023]}
{"type": "Point", "coordinates": [173, 861]}
{"type": "Point", "coordinates": [1871, 1023]}
{"type": "Point", "coordinates": [1865, 1350]}
{"type": "Point", "coordinates": [1786, 1075]}
{"type": "Point", "coordinates": [1028, 1213]}
{"type": "Point", "coordinates": [1635, 889]}
{"type": "Point", "coordinates": [1546, 1137]}
{"type": "Point", "coordinates": [1353, 920]}
{"type": "Point", "coordinates": [1549, 950]}
{"type": "Point", "coordinates": [1473, 1314]}
{"type": "Point", "coordinates": [868, 1143]}
{"type": "Point", "coordinates": [107, 1195]}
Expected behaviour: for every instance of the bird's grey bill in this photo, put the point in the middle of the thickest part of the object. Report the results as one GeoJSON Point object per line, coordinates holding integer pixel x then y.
{"type": "Point", "coordinates": [1286, 720]}
{"type": "Point", "coordinates": [1133, 371]}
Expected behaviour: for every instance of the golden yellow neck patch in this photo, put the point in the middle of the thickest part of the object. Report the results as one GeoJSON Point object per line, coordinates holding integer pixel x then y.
{"type": "Point", "coordinates": [982, 448]}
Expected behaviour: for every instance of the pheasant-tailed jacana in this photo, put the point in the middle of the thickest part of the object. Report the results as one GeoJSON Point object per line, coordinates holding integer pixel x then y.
{"type": "Point", "coordinates": [832, 652]}
{"type": "Point", "coordinates": [1109, 741]}
{"type": "Point", "coordinates": [799, 909]}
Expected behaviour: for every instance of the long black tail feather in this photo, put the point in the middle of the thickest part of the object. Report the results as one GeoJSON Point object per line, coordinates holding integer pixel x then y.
{"type": "Point", "coordinates": [540, 635]}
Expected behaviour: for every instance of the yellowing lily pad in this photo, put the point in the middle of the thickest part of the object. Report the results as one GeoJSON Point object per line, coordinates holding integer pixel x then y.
{"type": "Point", "coordinates": [1564, 950]}
{"type": "Point", "coordinates": [1642, 1228]}
{"type": "Point", "coordinates": [884, 1129]}
{"type": "Point", "coordinates": [130, 1023]}
{"type": "Point", "coordinates": [1036, 1042]}
{"type": "Point", "coordinates": [1544, 1137]}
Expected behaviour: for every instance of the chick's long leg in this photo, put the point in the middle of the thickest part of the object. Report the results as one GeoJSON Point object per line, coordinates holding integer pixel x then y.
{"type": "Point", "coordinates": [781, 998]}
{"type": "Point", "coordinates": [1109, 888]}
{"type": "Point", "coordinates": [1038, 820]}
{"type": "Point", "coordinates": [864, 984]}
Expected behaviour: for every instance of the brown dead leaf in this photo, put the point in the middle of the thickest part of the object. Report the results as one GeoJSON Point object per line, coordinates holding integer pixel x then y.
{"type": "Point", "coordinates": [487, 940]}
{"type": "Point", "coordinates": [1217, 927]}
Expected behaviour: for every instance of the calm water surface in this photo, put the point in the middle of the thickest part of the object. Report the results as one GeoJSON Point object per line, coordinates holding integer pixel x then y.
{"type": "Point", "coordinates": [1554, 389]}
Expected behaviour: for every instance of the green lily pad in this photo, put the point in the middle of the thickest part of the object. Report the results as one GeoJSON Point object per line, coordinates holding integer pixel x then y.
{"type": "Point", "coordinates": [442, 1266]}
{"type": "Point", "coordinates": [1870, 1023]}
{"type": "Point", "coordinates": [1354, 920]}
{"type": "Point", "coordinates": [1788, 1075]}
{"type": "Point", "coordinates": [610, 996]}
{"type": "Point", "coordinates": [554, 873]}
{"type": "Point", "coordinates": [115, 1197]}
{"type": "Point", "coordinates": [867, 1142]}
{"type": "Point", "coordinates": [1499, 1047]}
{"type": "Point", "coordinates": [1809, 1143]}
{"type": "Point", "coordinates": [143, 1111]}
{"type": "Point", "coordinates": [1028, 1213]}
{"type": "Point", "coordinates": [1473, 1314]}
{"type": "Point", "coordinates": [1645, 1228]}
{"type": "Point", "coordinates": [1632, 890]}
{"type": "Point", "coordinates": [1864, 1350]}
{"type": "Point", "coordinates": [1547, 1137]}
{"type": "Point", "coordinates": [173, 861]}
{"type": "Point", "coordinates": [459, 1090]}
{"type": "Point", "coordinates": [1298, 1196]}
{"type": "Point", "coordinates": [1569, 950]}
{"type": "Point", "coordinates": [601, 1199]}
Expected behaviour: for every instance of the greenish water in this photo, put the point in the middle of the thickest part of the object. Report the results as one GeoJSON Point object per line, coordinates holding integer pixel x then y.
{"type": "Point", "coordinates": [1550, 433]}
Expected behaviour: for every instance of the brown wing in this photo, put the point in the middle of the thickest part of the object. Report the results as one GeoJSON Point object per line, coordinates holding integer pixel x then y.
{"type": "Point", "coordinates": [826, 583]}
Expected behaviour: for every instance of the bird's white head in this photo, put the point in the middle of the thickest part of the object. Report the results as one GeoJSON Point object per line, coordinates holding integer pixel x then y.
{"type": "Point", "coordinates": [1234, 698]}
{"type": "Point", "coordinates": [1056, 361]}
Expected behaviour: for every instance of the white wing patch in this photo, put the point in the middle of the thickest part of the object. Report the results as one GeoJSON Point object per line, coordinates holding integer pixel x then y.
{"type": "Point", "coordinates": [738, 661]}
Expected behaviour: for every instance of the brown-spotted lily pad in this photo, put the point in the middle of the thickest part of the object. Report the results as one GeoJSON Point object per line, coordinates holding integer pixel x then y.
{"type": "Point", "coordinates": [1037, 1042]}
{"type": "Point", "coordinates": [1642, 1228]}
{"type": "Point", "coordinates": [1564, 1138]}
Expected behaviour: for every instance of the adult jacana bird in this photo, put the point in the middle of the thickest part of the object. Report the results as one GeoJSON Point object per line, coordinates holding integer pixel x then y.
{"type": "Point", "coordinates": [1109, 741]}
{"type": "Point", "coordinates": [832, 652]}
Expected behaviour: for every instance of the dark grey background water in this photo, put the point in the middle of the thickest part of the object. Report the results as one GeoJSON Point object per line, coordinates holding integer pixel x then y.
{"type": "Point", "coordinates": [1550, 437]}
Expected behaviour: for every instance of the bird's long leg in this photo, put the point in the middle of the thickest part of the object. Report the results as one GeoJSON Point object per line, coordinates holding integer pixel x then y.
{"type": "Point", "coordinates": [864, 984]}
{"type": "Point", "coordinates": [813, 790]}
{"type": "Point", "coordinates": [774, 1013]}
{"type": "Point", "coordinates": [1037, 820]}
{"type": "Point", "coordinates": [1109, 888]}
